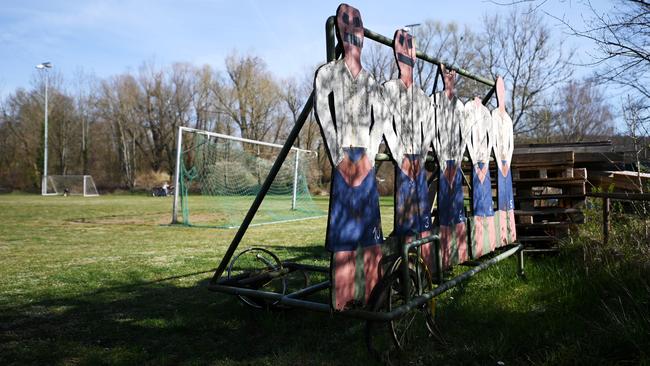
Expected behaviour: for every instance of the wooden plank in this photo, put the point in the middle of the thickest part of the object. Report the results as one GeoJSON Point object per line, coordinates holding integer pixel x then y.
{"type": "Point", "coordinates": [525, 220]}
{"type": "Point", "coordinates": [580, 173]}
{"type": "Point", "coordinates": [543, 181]}
{"type": "Point", "coordinates": [550, 197]}
{"type": "Point", "coordinates": [566, 144]}
{"type": "Point", "coordinates": [536, 238]}
{"type": "Point", "coordinates": [574, 149]}
{"type": "Point", "coordinates": [547, 211]}
{"type": "Point", "coordinates": [622, 196]}
{"type": "Point", "coordinates": [545, 159]}
{"type": "Point", "coordinates": [550, 182]}
{"type": "Point", "coordinates": [547, 225]}
{"type": "Point", "coordinates": [607, 158]}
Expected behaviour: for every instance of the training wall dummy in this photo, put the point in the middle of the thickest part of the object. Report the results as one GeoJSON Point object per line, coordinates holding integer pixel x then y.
{"type": "Point", "coordinates": [479, 146]}
{"type": "Point", "coordinates": [354, 230]}
{"type": "Point", "coordinates": [503, 148]}
{"type": "Point", "coordinates": [452, 127]}
{"type": "Point", "coordinates": [412, 113]}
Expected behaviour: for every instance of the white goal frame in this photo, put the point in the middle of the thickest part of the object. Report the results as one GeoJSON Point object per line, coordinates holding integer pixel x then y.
{"type": "Point", "coordinates": [179, 150]}
{"type": "Point", "coordinates": [87, 183]}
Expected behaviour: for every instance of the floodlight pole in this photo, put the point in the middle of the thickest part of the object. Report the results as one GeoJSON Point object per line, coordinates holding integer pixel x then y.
{"type": "Point", "coordinates": [45, 66]}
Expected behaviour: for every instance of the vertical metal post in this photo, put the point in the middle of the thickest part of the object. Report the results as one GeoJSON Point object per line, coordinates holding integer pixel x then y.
{"type": "Point", "coordinates": [295, 180]}
{"type": "Point", "coordinates": [439, 268]}
{"type": "Point", "coordinates": [406, 281]}
{"type": "Point", "coordinates": [84, 185]}
{"type": "Point", "coordinates": [179, 146]}
{"type": "Point", "coordinates": [605, 220]}
{"type": "Point", "coordinates": [330, 38]}
{"type": "Point", "coordinates": [520, 262]}
{"type": "Point", "coordinates": [44, 183]}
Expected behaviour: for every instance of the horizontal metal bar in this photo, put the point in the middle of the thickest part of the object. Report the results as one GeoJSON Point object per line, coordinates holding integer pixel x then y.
{"type": "Point", "coordinates": [240, 139]}
{"type": "Point", "coordinates": [263, 277]}
{"type": "Point", "coordinates": [542, 250]}
{"type": "Point", "coordinates": [310, 290]}
{"type": "Point", "coordinates": [423, 56]}
{"type": "Point", "coordinates": [621, 196]}
{"type": "Point", "coordinates": [388, 157]}
{"type": "Point", "coordinates": [422, 299]}
{"type": "Point", "coordinates": [282, 299]}
{"type": "Point", "coordinates": [306, 267]}
{"type": "Point", "coordinates": [428, 239]}
{"type": "Point", "coordinates": [365, 314]}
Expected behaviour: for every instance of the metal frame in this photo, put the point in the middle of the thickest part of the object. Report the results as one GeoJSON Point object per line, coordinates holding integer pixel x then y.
{"type": "Point", "coordinates": [295, 299]}
{"type": "Point", "coordinates": [84, 178]}
{"type": "Point", "coordinates": [179, 150]}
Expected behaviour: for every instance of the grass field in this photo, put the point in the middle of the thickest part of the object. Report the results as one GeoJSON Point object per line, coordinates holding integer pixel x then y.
{"type": "Point", "coordinates": [229, 211]}
{"type": "Point", "coordinates": [104, 281]}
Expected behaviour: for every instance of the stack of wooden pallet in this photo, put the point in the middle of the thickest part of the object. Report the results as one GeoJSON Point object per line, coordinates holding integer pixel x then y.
{"type": "Point", "coordinates": [549, 196]}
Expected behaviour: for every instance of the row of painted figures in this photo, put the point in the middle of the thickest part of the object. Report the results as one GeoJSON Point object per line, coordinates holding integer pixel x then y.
{"type": "Point", "coordinates": [356, 114]}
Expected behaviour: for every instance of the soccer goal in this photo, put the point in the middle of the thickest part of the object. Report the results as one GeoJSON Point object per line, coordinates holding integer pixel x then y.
{"type": "Point", "coordinates": [81, 185]}
{"type": "Point", "coordinates": [218, 176]}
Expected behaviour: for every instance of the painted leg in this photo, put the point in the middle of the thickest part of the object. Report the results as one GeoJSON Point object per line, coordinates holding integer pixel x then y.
{"type": "Point", "coordinates": [461, 238]}
{"type": "Point", "coordinates": [371, 259]}
{"type": "Point", "coordinates": [492, 235]}
{"type": "Point", "coordinates": [445, 246]}
{"type": "Point", "coordinates": [477, 237]}
{"type": "Point", "coordinates": [344, 270]}
{"type": "Point", "coordinates": [512, 228]}
{"type": "Point", "coordinates": [503, 228]}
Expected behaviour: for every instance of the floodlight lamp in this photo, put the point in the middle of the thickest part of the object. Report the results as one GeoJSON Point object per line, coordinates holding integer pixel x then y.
{"type": "Point", "coordinates": [44, 65]}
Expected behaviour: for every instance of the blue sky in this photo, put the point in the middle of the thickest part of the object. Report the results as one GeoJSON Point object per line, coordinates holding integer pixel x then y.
{"type": "Point", "coordinates": [108, 37]}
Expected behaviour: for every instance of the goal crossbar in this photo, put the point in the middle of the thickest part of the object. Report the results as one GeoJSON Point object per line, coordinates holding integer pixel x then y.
{"type": "Point", "coordinates": [180, 152]}
{"type": "Point", "coordinates": [75, 184]}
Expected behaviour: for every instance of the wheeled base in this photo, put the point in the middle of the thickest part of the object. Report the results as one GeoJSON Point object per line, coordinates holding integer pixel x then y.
{"type": "Point", "coordinates": [400, 292]}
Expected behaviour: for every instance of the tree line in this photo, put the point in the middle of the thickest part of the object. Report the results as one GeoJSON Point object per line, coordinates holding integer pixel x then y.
{"type": "Point", "coordinates": [122, 127]}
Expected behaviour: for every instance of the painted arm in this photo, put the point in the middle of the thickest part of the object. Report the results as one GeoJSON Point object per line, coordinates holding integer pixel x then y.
{"type": "Point", "coordinates": [435, 130]}
{"type": "Point", "coordinates": [322, 89]}
{"type": "Point", "coordinates": [429, 127]}
{"type": "Point", "coordinates": [383, 126]}
{"type": "Point", "coordinates": [511, 142]}
{"type": "Point", "coordinates": [468, 133]}
{"type": "Point", "coordinates": [496, 131]}
{"type": "Point", "coordinates": [465, 140]}
{"type": "Point", "coordinates": [487, 117]}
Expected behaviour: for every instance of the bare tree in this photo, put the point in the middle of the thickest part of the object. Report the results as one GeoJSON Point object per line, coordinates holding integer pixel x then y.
{"type": "Point", "coordinates": [249, 97]}
{"type": "Point", "coordinates": [450, 43]}
{"type": "Point", "coordinates": [582, 112]}
{"type": "Point", "coordinates": [519, 47]}
{"type": "Point", "coordinates": [622, 37]}
{"type": "Point", "coordinates": [379, 61]}
{"type": "Point", "coordinates": [118, 106]}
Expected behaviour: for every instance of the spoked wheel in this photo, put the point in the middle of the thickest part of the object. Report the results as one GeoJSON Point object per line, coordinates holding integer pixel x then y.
{"type": "Point", "coordinates": [388, 339]}
{"type": "Point", "coordinates": [258, 269]}
{"type": "Point", "coordinates": [421, 272]}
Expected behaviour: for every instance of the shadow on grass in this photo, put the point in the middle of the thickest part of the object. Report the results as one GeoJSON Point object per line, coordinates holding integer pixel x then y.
{"type": "Point", "coordinates": [160, 323]}
{"type": "Point", "coordinates": [495, 317]}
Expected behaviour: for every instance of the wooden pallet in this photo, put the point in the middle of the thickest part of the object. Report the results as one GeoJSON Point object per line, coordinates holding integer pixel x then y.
{"type": "Point", "coordinates": [549, 196]}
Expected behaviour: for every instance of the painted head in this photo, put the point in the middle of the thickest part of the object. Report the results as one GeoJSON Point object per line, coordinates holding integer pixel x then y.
{"type": "Point", "coordinates": [449, 80]}
{"type": "Point", "coordinates": [404, 47]}
{"type": "Point", "coordinates": [349, 30]}
{"type": "Point", "coordinates": [501, 94]}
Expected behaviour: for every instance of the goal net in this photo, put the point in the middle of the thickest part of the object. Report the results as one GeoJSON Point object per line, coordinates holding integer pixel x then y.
{"type": "Point", "coordinates": [220, 175]}
{"type": "Point", "coordinates": [81, 185]}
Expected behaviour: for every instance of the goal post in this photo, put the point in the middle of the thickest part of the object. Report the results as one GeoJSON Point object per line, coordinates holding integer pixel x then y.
{"type": "Point", "coordinates": [217, 176]}
{"type": "Point", "coordinates": [80, 185]}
